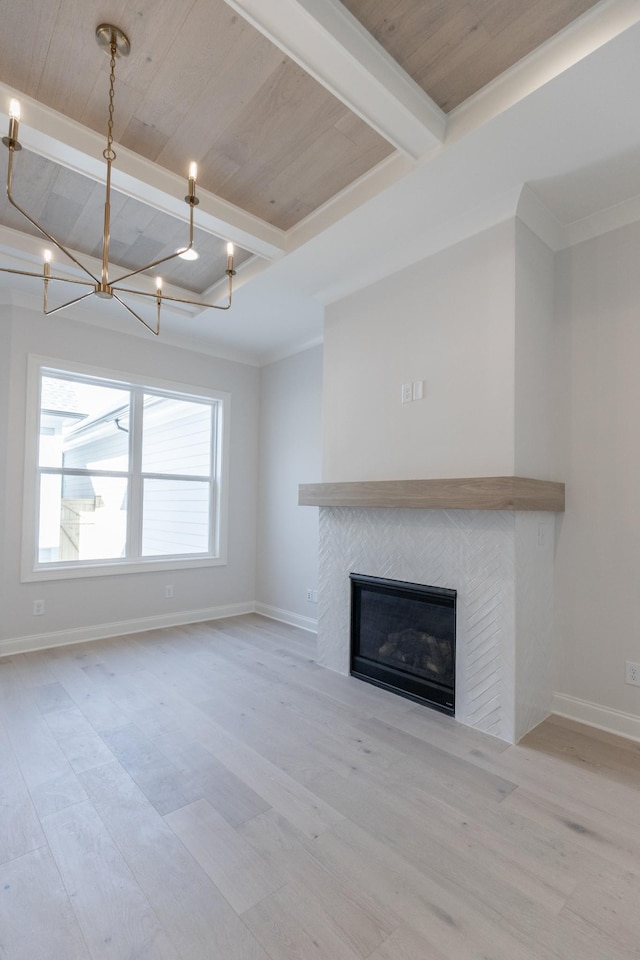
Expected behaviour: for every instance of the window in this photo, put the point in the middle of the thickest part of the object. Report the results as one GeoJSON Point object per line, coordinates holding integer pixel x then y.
{"type": "Point", "coordinates": [126, 475]}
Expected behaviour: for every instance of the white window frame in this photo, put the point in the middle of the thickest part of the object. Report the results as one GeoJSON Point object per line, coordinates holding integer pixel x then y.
{"type": "Point", "coordinates": [32, 569]}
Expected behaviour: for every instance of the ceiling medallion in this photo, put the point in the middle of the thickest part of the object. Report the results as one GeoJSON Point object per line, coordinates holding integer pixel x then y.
{"type": "Point", "coordinates": [116, 44]}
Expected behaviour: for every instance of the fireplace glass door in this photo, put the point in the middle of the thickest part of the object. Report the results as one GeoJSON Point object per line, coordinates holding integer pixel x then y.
{"type": "Point", "coordinates": [403, 638]}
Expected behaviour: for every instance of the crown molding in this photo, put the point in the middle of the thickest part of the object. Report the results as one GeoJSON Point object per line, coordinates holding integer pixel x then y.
{"type": "Point", "coordinates": [535, 214]}
{"type": "Point", "coordinates": [291, 350]}
{"type": "Point", "coordinates": [595, 28]}
{"type": "Point", "coordinates": [604, 221]}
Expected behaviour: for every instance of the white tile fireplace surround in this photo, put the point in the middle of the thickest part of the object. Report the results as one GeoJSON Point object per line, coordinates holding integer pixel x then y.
{"type": "Point", "coordinates": [500, 562]}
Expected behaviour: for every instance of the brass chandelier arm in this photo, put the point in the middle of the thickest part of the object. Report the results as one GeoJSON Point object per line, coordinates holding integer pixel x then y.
{"type": "Point", "coordinates": [35, 223]}
{"type": "Point", "coordinates": [154, 330]}
{"type": "Point", "coordinates": [171, 256]}
{"type": "Point", "coordinates": [43, 276]}
{"type": "Point", "coordinates": [46, 277]}
{"type": "Point", "coordinates": [193, 303]}
{"type": "Point", "coordinates": [63, 306]}
{"type": "Point", "coordinates": [150, 266]}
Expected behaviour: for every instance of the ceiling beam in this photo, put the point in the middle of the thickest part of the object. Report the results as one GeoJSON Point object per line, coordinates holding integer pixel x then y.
{"type": "Point", "coordinates": [327, 41]}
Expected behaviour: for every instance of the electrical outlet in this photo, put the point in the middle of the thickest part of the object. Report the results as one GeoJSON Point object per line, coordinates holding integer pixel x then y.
{"type": "Point", "coordinates": [38, 608]}
{"type": "Point", "coordinates": [309, 594]}
{"type": "Point", "coordinates": [632, 673]}
{"type": "Point", "coordinates": [168, 591]}
{"type": "Point", "coordinates": [406, 394]}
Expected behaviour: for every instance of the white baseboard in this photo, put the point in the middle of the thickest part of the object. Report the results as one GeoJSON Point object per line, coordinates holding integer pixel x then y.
{"type": "Point", "coordinates": [61, 638]}
{"type": "Point", "coordinates": [286, 616]}
{"type": "Point", "coordinates": [604, 718]}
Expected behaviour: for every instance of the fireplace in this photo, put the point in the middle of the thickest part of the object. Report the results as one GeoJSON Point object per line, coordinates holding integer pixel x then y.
{"type": "Point", "coordinates": [501, 564]}
{"type": "Point", "coordinates": [403, 638]}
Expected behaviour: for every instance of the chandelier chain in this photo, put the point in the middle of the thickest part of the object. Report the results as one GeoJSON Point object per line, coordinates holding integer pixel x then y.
{"type": "Point", "coordinates": [109, 153]}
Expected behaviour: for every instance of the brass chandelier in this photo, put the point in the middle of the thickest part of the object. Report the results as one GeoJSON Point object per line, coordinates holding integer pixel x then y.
{"type": "Point", "coordinates": [116, 44]}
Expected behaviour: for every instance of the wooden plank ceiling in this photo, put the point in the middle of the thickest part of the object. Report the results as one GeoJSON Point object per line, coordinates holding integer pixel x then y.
{"type": "Point", "coordinates": [71, 207]}
{"type": "Point", "coordinates": [202, 84]}
{"type": "Point", "coordinates": [453, 48]}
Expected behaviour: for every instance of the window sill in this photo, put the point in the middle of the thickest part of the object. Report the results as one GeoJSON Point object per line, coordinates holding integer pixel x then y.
{"type": "Point", "coordinates": [71, 571]}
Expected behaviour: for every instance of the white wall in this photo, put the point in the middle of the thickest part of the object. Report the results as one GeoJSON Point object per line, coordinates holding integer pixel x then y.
{"type": "Point", "coordinates": [290, 447]}
{"type": "Point", "coordinates": [73, 605]}
{"type": "Point", "coordinates": [449, 321]}
{"type": "Point", "coordinates": [538, 387]}
{"type": "Point", "coordinates": [5, 364]}
{"type": "Point", "coordinates": [537, 426]}
{"type": "Point", "coordinates": [598, 552]}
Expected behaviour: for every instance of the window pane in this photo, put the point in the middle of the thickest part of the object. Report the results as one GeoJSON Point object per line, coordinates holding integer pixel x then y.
{"type": "Point", "coordinates": [83, 425]}
{"type": "Point", "coordinates": [176, 436]}
{"type": "Point", "coordinates": [175, 517]}
{"type": "Point", "coordinates": [125, 472]}
{"type": "Point", "coordinates": [82, 518]}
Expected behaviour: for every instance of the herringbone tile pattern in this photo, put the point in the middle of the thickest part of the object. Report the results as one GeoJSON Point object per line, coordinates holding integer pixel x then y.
{"type": "Point", "coordinates": [473, 552]}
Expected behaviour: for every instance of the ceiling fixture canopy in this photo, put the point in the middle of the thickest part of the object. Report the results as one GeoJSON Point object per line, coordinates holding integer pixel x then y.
{"type": "Point", "coordinates": [116, 44]}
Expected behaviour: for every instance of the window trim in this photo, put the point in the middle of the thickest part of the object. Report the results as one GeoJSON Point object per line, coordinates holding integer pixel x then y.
{"type": "Point", "coordinates": [31, 569]}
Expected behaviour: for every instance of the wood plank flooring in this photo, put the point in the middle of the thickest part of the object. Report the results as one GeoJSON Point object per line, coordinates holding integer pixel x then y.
{"type": "Point", "coordinates": [209, 793]}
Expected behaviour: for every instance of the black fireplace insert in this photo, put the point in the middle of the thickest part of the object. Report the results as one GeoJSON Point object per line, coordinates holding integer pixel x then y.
{"type": "Point", "coordinates": [403, 638]}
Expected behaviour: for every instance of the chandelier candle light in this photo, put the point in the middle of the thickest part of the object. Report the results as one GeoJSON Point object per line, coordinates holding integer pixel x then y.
{"type": "Point", "coordinates": [116, 44]}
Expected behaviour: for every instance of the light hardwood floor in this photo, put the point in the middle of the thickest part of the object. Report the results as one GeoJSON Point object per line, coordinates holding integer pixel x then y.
{"type": "Point", "coordinates": [210, 793]}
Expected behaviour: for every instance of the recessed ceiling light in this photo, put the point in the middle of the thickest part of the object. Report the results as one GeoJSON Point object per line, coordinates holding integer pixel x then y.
{"type": "Point", "coordinates": [188, 254]}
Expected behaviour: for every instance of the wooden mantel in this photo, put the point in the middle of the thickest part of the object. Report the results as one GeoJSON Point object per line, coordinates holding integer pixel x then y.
{"type": "Point", "coordinates": [466, 493]}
